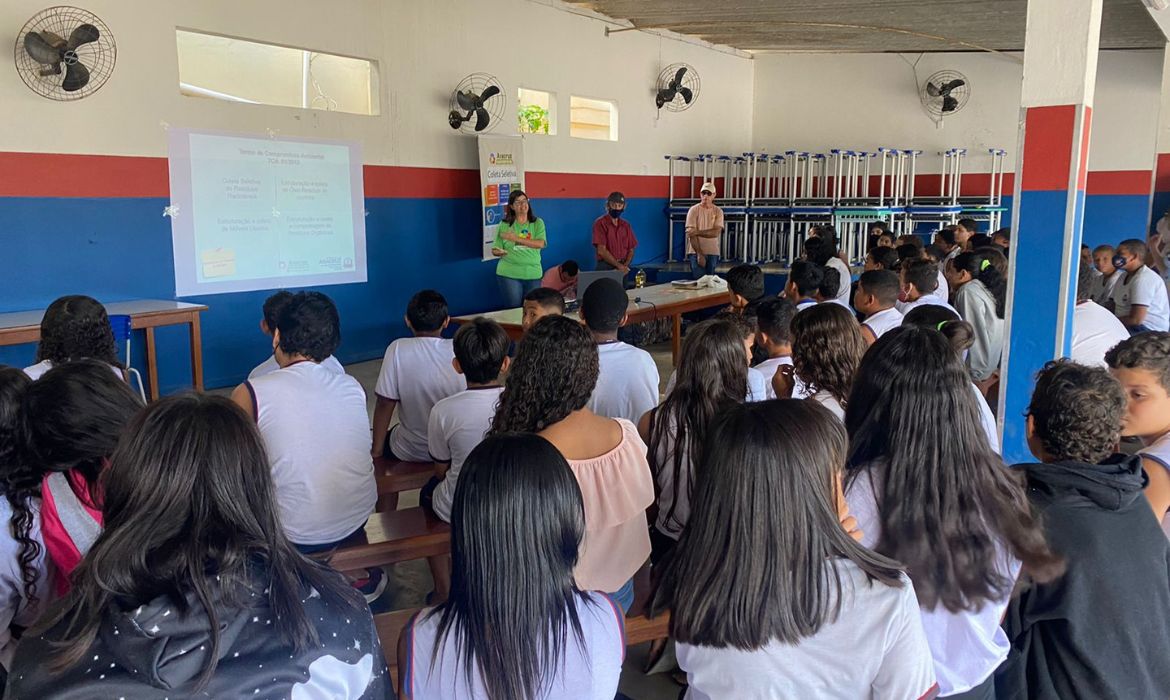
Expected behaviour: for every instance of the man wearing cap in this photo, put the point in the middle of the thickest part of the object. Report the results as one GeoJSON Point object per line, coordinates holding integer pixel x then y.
{"type": "Point", "coordinates": [704, 224]}
{"type": "Point", "coordinates": [613, 237]}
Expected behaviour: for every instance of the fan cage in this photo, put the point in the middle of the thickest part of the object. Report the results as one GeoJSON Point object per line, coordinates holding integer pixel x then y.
{"type": "Point", "coordinates": [690, 80]}
{"type": "Point", "coordinates": [98, 56]}
{"type": "Point", "coordinates": [933, 105]}
{"type": "Point", "coordinates": [477, 83]}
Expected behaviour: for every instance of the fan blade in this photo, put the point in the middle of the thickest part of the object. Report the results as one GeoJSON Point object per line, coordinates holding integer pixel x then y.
{"type": "Point", "coordinates": [678, 76]}
{"type": "Point", "coordinates": [949, 104]}
{"type": "Point", "coordinates": [76, 77]}
{"type": "Point", "coordinates": [489, 93]}
{"type": "Point", "coordinates": [667, 95]}
{"type": "Point", "coordinates": [687, 95]}
{"type": "Point", "coordinates": [84, 34]}
{"type": "Point", "coordinates": [482, 118]}
{"type": "Point", "coordinates": [658, 101]}
{"type": "Point", "coordinates": [932, 90]}
{"type": "Point", "coordinates": [466, 100]}
{"type": "Point", "coordinates": [40, 50]}
{"type": "Point", "coordinates": [954, 84]}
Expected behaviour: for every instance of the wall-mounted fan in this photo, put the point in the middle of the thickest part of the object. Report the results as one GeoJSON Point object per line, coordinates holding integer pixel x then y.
{"type": "Point", "coordinates": [677, 87]}
{"type": "Point", "coordinates": [945, 93]}
{"type": "Point", "coordinates": [65, 53]}
{"type": "Point", "coordinates": [477, 103]}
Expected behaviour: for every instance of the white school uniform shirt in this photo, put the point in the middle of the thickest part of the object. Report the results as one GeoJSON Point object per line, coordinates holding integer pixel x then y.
{"type": "Point", "coordinates": [805, 303]}
{"type": "Point", "coordinates": [1104, 286]}
{"type": "Point", "coordinates": [417, 373]}
{"type": "Point", "coordinates": [316, 430]}
{"type": "Point", "coordinates": [943, 291]}
{"type": "Point", "coordinates": [457, 424]}
{"type": "Point", "coordinates": [1159, 451]}
{"type": "Point", "coordinates": [846, 278]}
{"type": "Point", "coordinates": [768, 368]}
{"type": "Point", "coordinates": [967, 646]}
{"type": "Point", "coordinates": [882, 322]}
{"type": "Point", "coordinates": [904, 307]}
{"type": "Point", "coordinates": [38, 370]}
{"type": "Point", "coordinates": [879, 625]}
{"type": "Point", "coordinates": [986, 419]}
{"type": "Point", "coordinates": [16, 610]}
{"type": "Point", "coordinates": [627, 384]}
{"type": "Point", "coordinates": [1095, 331]}
{"type": "Point", "coordinates": [1147, 289]}
{"type": "Point", "coordinates": [838, 302]}
{"type": "Point", "coordinates": [270, 365]}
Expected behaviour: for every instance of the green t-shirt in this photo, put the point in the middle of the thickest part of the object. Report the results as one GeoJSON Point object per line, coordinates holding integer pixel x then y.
{"type": "Point", "coordinates": [521, 262]}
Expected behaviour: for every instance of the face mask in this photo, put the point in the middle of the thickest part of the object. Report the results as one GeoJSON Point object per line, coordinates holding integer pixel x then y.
{"type": "Point", "coordinates": [615, 213]}
{"type": "Point", "coordinates": [1119, 261]}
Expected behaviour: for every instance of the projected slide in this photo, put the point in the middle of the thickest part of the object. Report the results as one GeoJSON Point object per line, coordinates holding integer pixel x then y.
{"type": "Point", "coordinates": [258, 213]}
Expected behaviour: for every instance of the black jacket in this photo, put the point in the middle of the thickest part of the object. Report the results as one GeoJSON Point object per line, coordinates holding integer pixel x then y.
{"type": "Point", "coordinates": [1102, 631]}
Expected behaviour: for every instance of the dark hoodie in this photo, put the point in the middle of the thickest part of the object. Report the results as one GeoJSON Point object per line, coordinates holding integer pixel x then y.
{"type": "Point", "coordinates": [1102, 631]}
{"type": "Point", "coordinates": [156, 652]}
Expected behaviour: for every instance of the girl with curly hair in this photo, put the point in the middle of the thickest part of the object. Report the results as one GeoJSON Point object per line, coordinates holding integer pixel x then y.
{"type": "Point", "coordinates": [547, 390]}
{"type": "Point", "coordinates": [75, 327]}
{"type": "Point", "coordinates": [826, 349]}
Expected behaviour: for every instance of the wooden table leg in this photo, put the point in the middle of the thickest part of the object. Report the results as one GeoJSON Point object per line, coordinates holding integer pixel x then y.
{"type": "Point", "coordinates": [151, 362]}
{"type": "Point", "coordinates": [675, 337]}
{"type": "Point", "coordinates": [196, 353]}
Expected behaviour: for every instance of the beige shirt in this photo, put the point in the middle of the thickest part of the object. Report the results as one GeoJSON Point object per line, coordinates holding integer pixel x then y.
{"type": "Point", "coordinates": [700, 218]}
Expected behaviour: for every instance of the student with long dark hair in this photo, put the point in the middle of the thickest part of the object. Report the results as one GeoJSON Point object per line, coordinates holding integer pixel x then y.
{"type": "Point", "coordinates": [546, 393]}
{"type": "Point", "coordinates": [979, 294]}
{"type": "Point", "coordinates": [770, 597]}
{"type": "Point", "coordinates": [516, 626]}
{"type": "Point", "coordinates": [928, 491]}
{"type": "Point", "coordinates": [72, 419]}
{"type": "Point", "coordinates": [192, 588]}
{"type": "Point", "coordinates": [75, 327]}
{"type": "Point", "coordinates": [826, 349]}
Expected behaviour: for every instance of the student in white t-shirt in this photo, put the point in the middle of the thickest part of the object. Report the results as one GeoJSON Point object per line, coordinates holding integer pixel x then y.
{"type": "Point", "coordinates": [804, 281]}
{"type": "Point", "coordinates": [272, 306]}
{"type": "Point", "coordinates": [1095, 328]}
{"type": "Point", "coordinates": [416, 374]}
{"type": "Point", "coordinates": [920, 286]}
{"type": "Point", "coordinates": [1141, 298]}
{"type": "Point", "coordinates": [877, 293]}
{"type": "Point", "coordinates": [774, 335]}
{"type": "Point", "coordinates": [627, 386]}
{"type": "Point", "coordinates": [791, 606]}
{"type": "Point", "coordinates": [821, 250]}
{"type": "Point", "coordinates": [935, 255]}
{"type": "Point", "coordinates": [826, 293]}
{"type": "Point", "coordinates": [826, 349]}
{"type": "Point", "coordinates": [928, 491]}
{"type": "Point", "coordinates": [75, 327]}
{"type": "Point", "coordinates": [1106, 278]}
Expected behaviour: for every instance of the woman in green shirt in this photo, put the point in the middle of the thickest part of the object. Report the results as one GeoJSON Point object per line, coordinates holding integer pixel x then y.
{"type": "Point", "coordinates": [519, 240]}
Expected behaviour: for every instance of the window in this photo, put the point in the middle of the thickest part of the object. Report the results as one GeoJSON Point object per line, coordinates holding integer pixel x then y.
{"type": "Point", "coordinates": [237, 70]}
{"type": "Point", "coordinates": [536, 111]}
{"type": "Point", "coordinates": [593, 119]}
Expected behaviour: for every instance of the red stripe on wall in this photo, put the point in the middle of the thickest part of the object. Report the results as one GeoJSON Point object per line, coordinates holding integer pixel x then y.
{"type": "Point", "coordinates": [1048, 139]}
{"type": "Point", "coordinates": [69, 175]}
{"type": "Point", "coordinates": [581, 186]}
{"type": "Point", "coordinates": [393, 182]}
{"type": "Point", "coordinates": [1131, 182]}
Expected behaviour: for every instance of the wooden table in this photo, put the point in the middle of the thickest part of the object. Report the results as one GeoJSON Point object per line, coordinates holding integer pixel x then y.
{"type": "Point", "coordinates": [25, 327]}
{"type": "Point", "coordinates": [646, 304]}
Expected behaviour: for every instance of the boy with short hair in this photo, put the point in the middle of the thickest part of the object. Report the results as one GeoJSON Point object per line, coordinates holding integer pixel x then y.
{"type": "Point", "coordinates": [964, 230]}
{"type": "Point", "coordinates": [1140, 299]}
{"type": "Point", "coordinates": [562, 278]}
{"type": "Point", "coordinates": [1088, 634]}
{"type": "Point", "coordinates": [877, 293]}
{"type": "Point", "coordinates": [745, 287]}
{"type": "Point", "coordinates": [774, 335]}
{"type": "Point", "coordinates": [271, 311]}
{"type": "Point", "coordinates": [416, 374]}
{"type": "Point", "coordinates": [627, 383]}
{"type": "Point", "coordinates": [1002, 238]}
{"type": "Point", "coordinates": [826, 293]}
{"type": "Point", "coordinates": [881, 259]}
{"type": "Point", "coordinates": [1107, 277]}
{"type": "Point", "coordinates": [804, 281]}
{"type": "Point", "coordinates": [541, 302]}
{"type": "Point", "coordinates": [947, 242]}
{"type": "Point", "coordinates": [919, 280]}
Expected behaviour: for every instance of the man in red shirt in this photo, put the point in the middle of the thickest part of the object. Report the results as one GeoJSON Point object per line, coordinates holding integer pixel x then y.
{"type": "Point", "coordinates": [613, 237]}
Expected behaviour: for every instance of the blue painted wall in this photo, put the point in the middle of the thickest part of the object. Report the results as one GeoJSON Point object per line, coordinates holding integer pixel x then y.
{"type": "Point", "coordinates": [1111, 218]}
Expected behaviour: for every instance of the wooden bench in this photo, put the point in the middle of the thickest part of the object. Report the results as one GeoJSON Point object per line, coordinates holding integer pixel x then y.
{"type": "Point", "coordinates": [399, 535]}
{"type": "Point", "coordinates": [394, 477]}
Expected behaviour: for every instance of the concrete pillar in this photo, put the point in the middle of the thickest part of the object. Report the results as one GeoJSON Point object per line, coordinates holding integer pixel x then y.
{"type": "Point", "coordinates": [1060, 69]}
{"type": "Point", "coordinates": [1160, 189]}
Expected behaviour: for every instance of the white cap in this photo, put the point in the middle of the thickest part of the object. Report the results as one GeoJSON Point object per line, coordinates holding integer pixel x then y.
{"type": "Point", "coordinates": [708, 187]}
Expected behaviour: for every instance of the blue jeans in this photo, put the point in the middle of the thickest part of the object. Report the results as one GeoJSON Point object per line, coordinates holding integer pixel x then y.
{"type": "Point", "coordinates": [514, 290]}
{"type": "Point", "coordinates": [624, 596]}
{"type": "Point", "coordinates": [708, 269]}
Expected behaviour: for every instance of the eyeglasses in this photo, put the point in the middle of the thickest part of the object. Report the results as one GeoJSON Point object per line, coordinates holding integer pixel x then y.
{"type": "Point", "coordinates": [707, 193]}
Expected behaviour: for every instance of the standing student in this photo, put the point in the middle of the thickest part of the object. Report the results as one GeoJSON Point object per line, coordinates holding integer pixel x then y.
{"type": "Point", "coordinates": [928, 491]}
{"type": "Point", "coordinates": [1140, 298]}
{"type": "Point", "coordinates": [804, 281]}
{"type": "Point", "coordinates": [1107, 277]}
{"type": "Point", "coordinates": [1087, 635]}
{"type": "Point", "coordinates": [774, 321]}
{"type": "Point", "coordinates": [979, 295]}
{"type": "Point", "coordinates": [919, 280]}
{"type": "Point", "coordinates": [627, 386]}
{"type": "Point", "coordinates": [745, 287]}
{"type": "Point", "coordinates": [790, 606]}
{"type": "Point", "coordinates": [416, 374]}
{"type": "Point", "coordinates": [1095, 329]}
{"type": "Point", "coordinates": [1142, 365]}
{"type": "Point", "coordinates": [703, 226]}
{"type": "Point", "coordinates": [75, 327]}
{"type": "Point", "coordinates": [946, 242]}
{"type": "Point", "coordinates": [613, 237]}
{"type": "Point", "coordinates": [192, 590]}
{"type": "Point", "coordinates": [547, 392]}
{"type": "Point", "coordinates": [272, 308]}
{"type": "Point", "coordinates": [936, 256]}
{"type": "Point", "coordinates": [877, 293]}
{"type": "Point", "coordinates": [517, 626]}
{"type": "Point", "coordinates": [519, 239]}
{"type": "Point", "coordinates": [826, 350]}
{"type": "Point", "coordinates": [541, 302]}
{"type": "Point", "coordinates": [72, 418]}
{"type": "Point", "coordinates": [965, 231]}
{"type": "Point", "coordinates": [562, 278]}
{"type": "Point", "coordinates": [822, 250]}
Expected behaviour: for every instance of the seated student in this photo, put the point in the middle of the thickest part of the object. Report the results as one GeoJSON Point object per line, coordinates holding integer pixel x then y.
{"type": "Point", "coordinates": [774, 335]}
{"type": "Point", "coordinates": [562, 278]}
{"type": "Point", "coordinates": [877, 293]}
{"type": "Point", "coordinates": [936, 256]}
{"type": "Point", "coordinates": [1095, 329]}
{"type": "Point", "coordinates": [541, 302]}
{"type": "Point", "coordinates": [745, 287]}
{"type": "Point", "coordinates": [75, 327]}
{"type": "Point", "coordinates": [908, 252]}
{"type": "Point", "coordinates": [884, 240]}
{"type": "Point", "coordinates": [516, 624]}
{"type": "Point", "coordinates": [910, 239]}
{"type": "Point", "coordinates": [1088, 634]}
{"type": "Point", "coordinates": [826, 349]}
{"type": "Point", "coordinates": [1107, 276]}
{"type": "Point", "coordinates": [804, 281]}
{"type": "Point", "coordinates": [947, 243]}
{"type": "Point", "coordinates": [965, 230]}
{"type": "Point", "coordinates": [1002, 238]}
{"type": "Point", "coordinates": [822, 250]}
{"type": "Point", "coordinates": [628, 384]}
{"type": "Point", "coordinates": [548, 389]}
{"type": "Point", "coordinates": [1140, 298]}
{"type": "Point", "coordinates": [790, 606]}
{"type": "Point", "coordinates": [416, 373]}
{"type": "Point", "coordinates": [980, 295]}
{"type": "Point", "coordinates": [746, 329]}
{"type": "Point", "coordinates": [830, 283]}
{"type": "Point", "coordinates": [881, 259]}
{"type": "Point", "coordinates": [72, 419]}
{"type": "Point", "coordinates": [192, 590]}
{"type": "Point", "coordinates": [1142, 365]}
{"type": "Point", "coordinates": [929, 492]}
{"type": "Point", "coordinates": [272, 308]}
{"type": "Point", "coordinates": [919, 280]}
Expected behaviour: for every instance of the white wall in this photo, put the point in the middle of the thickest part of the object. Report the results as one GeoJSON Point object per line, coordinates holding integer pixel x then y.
{"type": "Point", "coordinates": [423, 49]}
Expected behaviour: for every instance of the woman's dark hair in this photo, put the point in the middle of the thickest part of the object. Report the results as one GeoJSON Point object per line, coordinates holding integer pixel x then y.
{"type": "Point", "coordinates": [553, 375]}
{"type": "Point", "coordinates": [959, 333]}
{"type": "Point", "coordinates": [510, 213]}
{"type": "Point", "coordinates": [754, 564]}
{"type": "Point", "coordinates": [711, 378]}
{"type": "Point", "coordinates": [826, 349]}
{"type": "Point", "coordinates": [72, 418]}
{"type": "Point", "coordinates": [516, 527]}
{"type": "Point", "coordinates": [1076, 411]}
{"type": "Point", "coordinates": [76, 327]}
{"type": "Point", "coordinates": [983, 270]}
{"type": "Point", "coordinates": [309, 326]}
{"type": "Point", "coordinates": [190, 508]}
{"type": "Point", "coordinates": [20, 482]}
{"type": "Point", "coordinates": [946, 501]}
{"type": "Point", "coordinates": [995, 256]}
